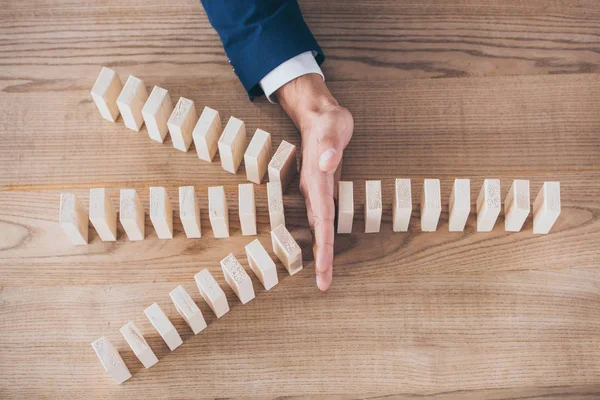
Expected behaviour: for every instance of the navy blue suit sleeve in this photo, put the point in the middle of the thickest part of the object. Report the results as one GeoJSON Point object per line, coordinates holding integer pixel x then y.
{"type": "Point", "coordinates": [259, 35]}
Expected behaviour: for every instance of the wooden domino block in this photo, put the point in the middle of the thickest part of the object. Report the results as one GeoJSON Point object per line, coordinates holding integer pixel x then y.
{"type": "Point", "coordinates": [206, 134]}
{"type": "Point", "coordinates": [282, 167]}
{"type": "Point", "coordinates": [218, 211]}
{"type": "Point", "coordinates": [156, 113]}
{"type": "Point", "coordinates": [103, 215]}
{"type": "Point", "coordinates": [111, 360]}
{"type": "Point", "coordinates": [275, 199]}
{"type": "Point", "coordinates": [187, 309]}
{"type": "Point", "coordinates": [431, 205]}
{"type": "Point", "coordinates": [237, 278]}
{"type": "Point", "coordinates": [261, 264]}
{"type": "Point", "coordinates": [105, 93]}
{"type": "Point", "coordinates": [163, 326]}
{"type": "Point", "coordinates": [256, 157]}
{"type": "Point", "coordinates": [373, 206]}
{"type": "Point", "coordinates": [286, 249]}
{"type": "Point", "coordinates": [546, 207]}
{"type": "Point", "coordinates": [516, 205]}
{"type": "Point", "coordinates": [73, 219]}
{"type": "Point", "coordinates": [189, 212]}
{"type": "Point", "coordinates": [181, 124]}
{"type": "Point", "coordinates": [345, 206]}
{"type": "Point", "coordinates": [212, 293]}
{"type": "Point", "coordinates": [138, 344]}
{"type": "Point", "coordinates": [488, 205]}
{"type": "Point", "coordinates": [131, 214]}
{"type": "Point", "coordinates": [459, 205]}
{"type": "Point", "coordinates": [232, 145]}
{"type": "Point", "coordinates": [131, 101]}
{"type": "Point", "coordinates": [402, 205]}
{"type": "Point", "coordinates": [247, 208]}
{"type": "Point", "coordinates": [161, 212]}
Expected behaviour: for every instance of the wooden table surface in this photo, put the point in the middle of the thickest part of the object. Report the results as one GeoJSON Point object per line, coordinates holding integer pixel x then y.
{"type": "Point", "coordinates": [439, 89]}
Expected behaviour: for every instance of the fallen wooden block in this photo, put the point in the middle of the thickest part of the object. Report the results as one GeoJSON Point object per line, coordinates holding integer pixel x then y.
{"type": "Point", "coordinates": [286, 249]}
{"type": "Point", "coordinates": [156, 113]}
{"type": "Point", "coordinates": [261, 264]}
{"type": "Point", "coordinates": [131, 101]}
{"type": "Point", "coordinates": [232, 145]}
{"type": "Point", "coordinates": [237, 278]}
{"type": "Point", "coordinates": [488, 205]}
{"type": "Point", "coordinates": [206, 134]}
{"type": "Point", "coordinates": [275, 199]}
{"type": "Point", "coordinates": [256, 157]}
{"type": "Point", "coordinates": [212, 293]}
{"type": "Point", "coordinates": [105, 93]}
{"type": "Point", "coordinates": [373, 206]}
{"type": "Point", "coordinates": [138, 344]}
{"type": "Point", "coordinates": [402, 205]}
{"type": "Point", "coordinates": [73, 219]}
{"type": "Point", "coordinates": [218, 211]}
{"type": "Point", "coordinates": [345, 207]}
{"type": "Point", "coordinates": [282, 166]}
{"type": "Point", "coordinates": [187, 308]}
{"type": "Point", "coordinates": [103, 215]}
{"type": "Point", "coordinates": [516, 205]}
{"type": "Point", "coordinates": [161, 212]}
{"type": "Point", "coordinates": [546, 207]}
{"type": "Point", "coordinates": [111, 360]}
{"type": "Point", "coordinates": [431, 205]}
{"type": "Point", "coordinates": [131, 214]}
{"type": "Point", "coordinates": [181, 124]}
{"type": "Point", "coordinates": [459, 205]}
{"type": "Point", "coordinates": [163, 326]}
{"type": "Point", "coordinates": [189, 212]}
{"type": "Point", "coordinates": [247, 208]}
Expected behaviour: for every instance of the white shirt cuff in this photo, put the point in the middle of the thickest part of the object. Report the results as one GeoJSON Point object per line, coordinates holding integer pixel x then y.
{"type": "Point", "coordinates": [289, 70]}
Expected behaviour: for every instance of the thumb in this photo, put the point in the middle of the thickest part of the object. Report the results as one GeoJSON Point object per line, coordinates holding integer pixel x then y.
{"type": "Point", "coordinates": [331, 148]}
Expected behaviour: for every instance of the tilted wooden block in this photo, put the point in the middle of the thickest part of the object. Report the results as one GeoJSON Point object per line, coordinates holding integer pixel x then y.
{"type": "Point", "coordinates": [345, 206]}
{"type": "Point", "coordinates": [275, 199]}
{"type": "Point", "coordinates": [218, 211]}
{"type": "Point", "coordinates": [131, 214]}
{"type": "Point", "coordinates": [237, 278]}
{"type": "Point", "coordinates": [546, 207]}
{"type": "Point", "coordinates": [206, 134]}
{"type": "Point", "coordinates": [212, 293]}
{"type": "Point", "coordinates": [189, 212]}
{"type": "Point", "coordinates": [105, 93]}
{"type": "Point", "coordinates": [181, 124]}
{"type": "Point", "coordinates": [516, 205]}
{"type": "Point", "coordinates": [138, 344]}
{"type": "Point", "coordinates": [247, 208]}
{"type": "Point", "coordinates": [488, 205]}
{"type": "Point", "coordinates": [163, 326]}
{"type": "Point", "coordinates": [257, 155]}
{"type": "Point", "coordinates": [232, 145]}
{"type": "Point", "coordinates": [286, 249]}
{"type": "Point", "coordinates": [431, 205]}
{"type": "Point", "coordinates": [187, 308]}
{"type": "Point", "coordinates": [402, 205]}
{"type": "Point", "coordinates": [131, 101]}
{"type": "Point", "coordinates": [459, 205]}
{"type": "Point", "coordinates": [161, 212]}
{"type": "Point", "coordinates": [282, 167]}
{"type": "Point", "coordinates": [103, 215]}
{"type": "Point", "coordinates": [156, 113]}
{"type": "Point", "coordinates": [111, 360]}
{"type": "Point", "coordinates": [73, 219]}
{"type": "Point", "coordinates": [261, 264]}
{"type": "Point", "coordinates": [373, 206]}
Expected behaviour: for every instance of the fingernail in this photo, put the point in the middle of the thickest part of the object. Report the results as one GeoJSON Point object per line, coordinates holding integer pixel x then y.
{"type": "Point", "coordinates": [326, 156]}
{"type": "Point", "coordinates": [319, 281]}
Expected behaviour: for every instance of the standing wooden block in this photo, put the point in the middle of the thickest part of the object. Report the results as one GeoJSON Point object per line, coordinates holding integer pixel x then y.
{"type": "Point", "coordinates": [218, 211]}
{"type": "Point", "coordinates": [237, 278]}
{"type": "Point", "coordinates": [163, 326]}
{"type": "Point", "coordinates": [187, 308]}
{"type": "Point", "coordinates": [275, 198]}
{"type": "Point", "coordinates": [546, 207]}
{"type": "Point", "coordinates": [189, 212]}
{"type": "Point", "coordinates": [181, 124]}
{"type": "Point", "coordinates": [206, 134]}
{"type": "Point", "coordinates": [138, 344]}
{"type": "Point", "coordinates": [282, 167]}
{"type": "Point", "coordinates": [111, 360]}
{"type": "Point", "coordinates": [156, 113]}
{"type": "Point", "coordinates": [131, 101]}
{"type": "Point", "coordinates": [516, 205]}
{"type": "Point", "coordinates": [402, 205]}
{"type": "Point", "coordinates": [345, 206]}
{"type": "Point", "coordinates": [431, 205]}
{"type": "Point", "coordinates": [103, 215]}
{"type": "Point", "coordinates": [373, 206]}
{"type": "Point", "coordinates": [73, 219]}
{"type": "Point", "coordinates": [488, 205]}
{"type": "Point", "coordinates": [247, 208]}
{"type": "Point", "coordinates": [261, 264]}
{"type": "Point", "coordinates": [161, 212]}
{"type": "Point", "coordinates": [105, 93]}
{"type": "Point", "coordinates": [256, 157]}
{"type": "Point", "coordinates": [232, 145]}
{"type": "Point", "coordinates": [459, 205]}
{"type": "Point", "coordinates": [212, 293]}
{"type": "Point", "coordinates": [286, 249]}
{"type": "Point", "coordinates": [131, 214]}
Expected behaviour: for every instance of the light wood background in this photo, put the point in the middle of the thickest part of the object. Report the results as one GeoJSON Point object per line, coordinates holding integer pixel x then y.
{"type": "Point", "coordinates": [444, 89]}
